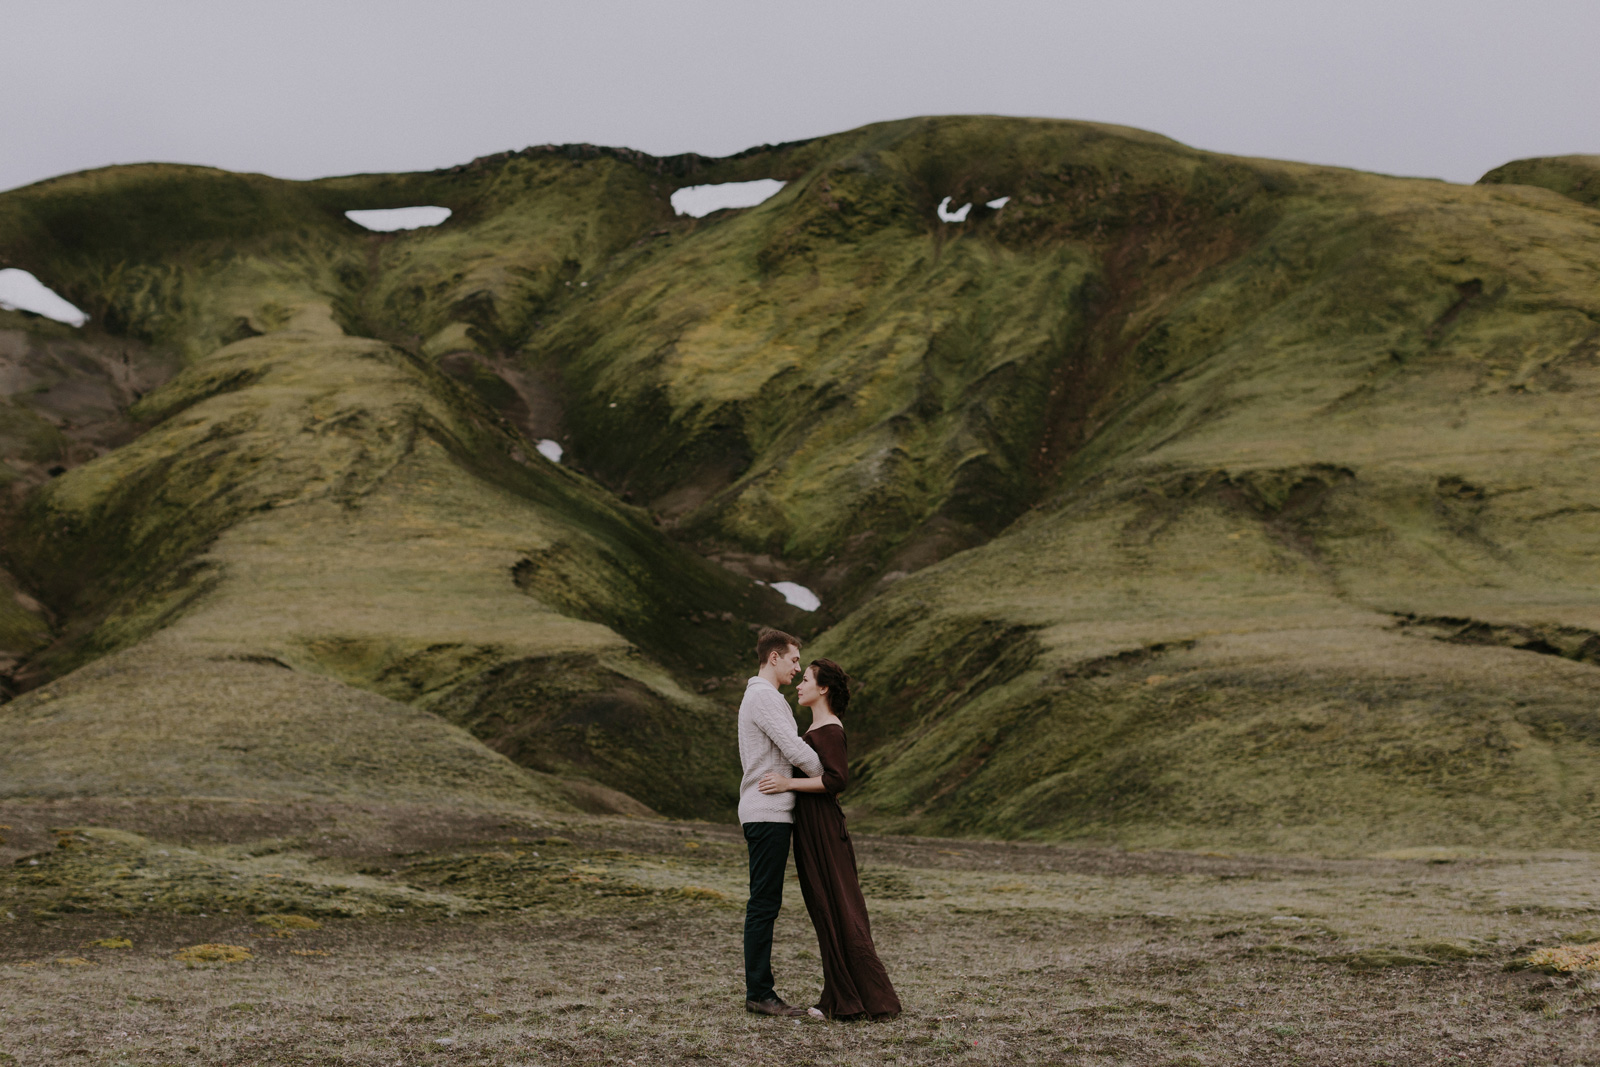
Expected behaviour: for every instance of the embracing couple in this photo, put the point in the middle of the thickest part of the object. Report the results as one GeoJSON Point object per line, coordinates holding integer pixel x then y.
{"type": "Point", "coordinates": [776, 809]}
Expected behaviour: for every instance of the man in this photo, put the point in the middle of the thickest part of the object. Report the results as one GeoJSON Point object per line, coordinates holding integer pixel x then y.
{"type": "Point", "coordinates": [769, 743]}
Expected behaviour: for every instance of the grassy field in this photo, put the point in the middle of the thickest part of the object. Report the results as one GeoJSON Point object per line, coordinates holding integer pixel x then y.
{"type": "Point", "coordinates": [500, 936]}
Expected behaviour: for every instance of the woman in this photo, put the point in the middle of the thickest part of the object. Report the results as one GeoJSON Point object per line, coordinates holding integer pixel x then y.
{"type": "Point", "coordinates": [854, 983]}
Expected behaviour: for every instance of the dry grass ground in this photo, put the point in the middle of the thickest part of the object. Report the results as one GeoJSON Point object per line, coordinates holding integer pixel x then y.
{"type": "Point", "coordinates": [579, 940]}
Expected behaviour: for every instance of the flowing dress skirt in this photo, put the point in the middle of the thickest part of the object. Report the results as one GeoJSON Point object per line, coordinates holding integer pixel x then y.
{"type": "Point", "coordinates": [854, 981]}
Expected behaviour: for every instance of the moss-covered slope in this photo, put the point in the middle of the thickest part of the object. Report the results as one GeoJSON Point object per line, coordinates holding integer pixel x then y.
{"type": "Point", "coordinates": [1174, 498]}
{"type": "Point", "coordinates": [336, 505]}
{"type": "Point", "coordinates": [1331, 578]}
{"type": "Point", "coordinates": [1351, 418]}
{"type": "Point", "coordinates": [1577, 177]}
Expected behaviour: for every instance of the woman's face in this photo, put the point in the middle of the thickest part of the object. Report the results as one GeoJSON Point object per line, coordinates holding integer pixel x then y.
{"type": "Point", "coordinates": [807, 691]}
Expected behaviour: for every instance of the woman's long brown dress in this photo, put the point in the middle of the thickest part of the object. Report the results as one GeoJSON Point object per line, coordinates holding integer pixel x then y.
{"type": "Point", "coordinates": [853, 979]}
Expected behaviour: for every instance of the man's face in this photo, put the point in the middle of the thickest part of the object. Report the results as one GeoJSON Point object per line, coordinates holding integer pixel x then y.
{"type": "Point", "coordinates": [788, 664]}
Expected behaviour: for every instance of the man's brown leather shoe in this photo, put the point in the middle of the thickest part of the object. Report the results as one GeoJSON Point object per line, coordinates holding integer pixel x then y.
{"type": "Point", "coordinates": [775, 1006]}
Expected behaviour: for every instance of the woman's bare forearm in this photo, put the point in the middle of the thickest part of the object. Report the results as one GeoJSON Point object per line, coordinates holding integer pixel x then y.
{"type": "Point", "coordinates": [807, 785]}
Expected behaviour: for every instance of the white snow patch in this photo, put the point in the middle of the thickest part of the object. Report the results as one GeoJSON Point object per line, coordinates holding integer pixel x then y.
{"type": "Point", "coordinates": [388, 219]}
{"type": "Point", "coordinates": [550, 450]}
{"type": "Point", "coordinates": [958, 215]}
{"type": "Point", "coordinates": [997, 204]}
{"type": "Point", "coordinates": [702, 200]}
{"type": "Point", "coordinates": [798, 595]}
{"type": "Point", "coordinates": [21, 291]}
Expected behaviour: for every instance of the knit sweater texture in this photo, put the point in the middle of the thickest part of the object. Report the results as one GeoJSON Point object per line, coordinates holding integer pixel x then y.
{"type": "Point", "coordinates": [769, 742]}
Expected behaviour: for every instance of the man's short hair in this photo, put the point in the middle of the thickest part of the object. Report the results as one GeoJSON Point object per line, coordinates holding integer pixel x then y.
{"type": "Point", "coordinates": [770, 641]}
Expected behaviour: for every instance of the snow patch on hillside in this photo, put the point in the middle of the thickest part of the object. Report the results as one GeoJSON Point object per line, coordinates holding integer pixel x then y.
{"type": "Point", "coordinates": [21, 291]}
{"type": "Point", "coordinates": [701, 200]}
{"type": "Point", "coordinates": [389, 219]}
{"type": "Point", "coordinates": [798, 595]}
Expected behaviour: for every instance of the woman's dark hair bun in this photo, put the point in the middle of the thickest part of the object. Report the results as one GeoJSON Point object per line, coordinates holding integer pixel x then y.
{"type": "Point", "coordinates": [831, 676]}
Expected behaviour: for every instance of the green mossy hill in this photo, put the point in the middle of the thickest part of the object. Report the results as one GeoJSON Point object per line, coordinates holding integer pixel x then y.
{"type": "Point", "coordinates": [162, 719]}
{"type": "Point", "coordinates": [1330, 582]}
{"type": "Point", "coordinates": [335, 506]}
{"type": "Point", "coordinates": [191, 258]}
{"type": "Point", "coordinates": [186, 258]}
{"type": "Point", "coordinates": [1175, 498]}
{"type": "Point", "coordinates": [856, 385]}
{"type": "Point", "coordinates": [299, 469]}
{"type": "Point", "coordinates": [1577, 177]}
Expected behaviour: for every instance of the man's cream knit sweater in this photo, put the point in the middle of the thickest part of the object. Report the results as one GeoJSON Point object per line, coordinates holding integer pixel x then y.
{"type": "Point", "coordinates": [769, 742]}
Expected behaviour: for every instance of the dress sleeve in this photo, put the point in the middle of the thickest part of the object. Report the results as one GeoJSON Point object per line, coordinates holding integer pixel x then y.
{"type": "Point", "coordinates": [835, 760]}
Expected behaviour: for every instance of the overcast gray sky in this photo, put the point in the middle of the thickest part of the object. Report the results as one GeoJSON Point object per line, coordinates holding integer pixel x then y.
{"type": "Point", "coordinates": [1443, 88]}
